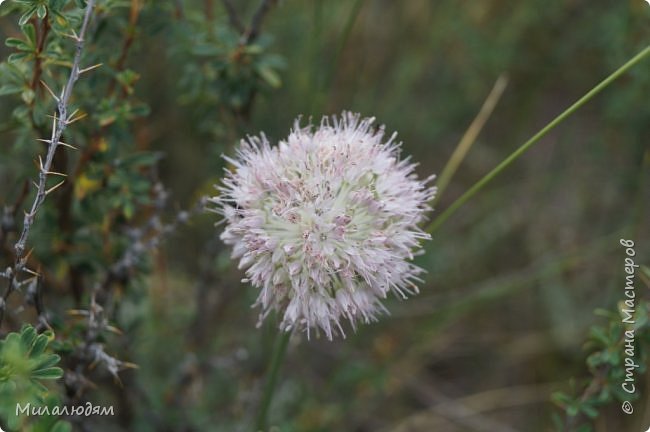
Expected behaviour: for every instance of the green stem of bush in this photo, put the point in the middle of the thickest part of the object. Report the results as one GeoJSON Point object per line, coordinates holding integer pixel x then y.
{"type": "Point", "coordinates": [437, 222]}
{"type": "Point", "coordinates": [279, 352]}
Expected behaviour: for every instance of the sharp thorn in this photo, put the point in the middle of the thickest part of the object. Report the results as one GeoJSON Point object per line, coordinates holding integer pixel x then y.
{"type": "Point", "coordinates": [28, 254]}
{"type": "Point", "coordinates": [114, 330]}
{"type": "Point", "coordinates": [47, 141]}
{"type": "Point", "coordinates": [77, 312]}
{"type": "Point", "coordinates": [55, 187]}
{"type": "Point", "coordinates": [68, 145]}
{"type": "Point", "coordinates": [56, 173]}
{"type": "Point", "coordinates": [79, 117]}
{"type": "Point", "coordinates": [54, 120]}
{"type": "Point", "coordinates": [31, 272]}
{"type": "Point", "coordinates": [130, 365]}
{"type": "Point", "coordinates": [88, 69]}
{"type": "Point", "coordinates": [50, 90]}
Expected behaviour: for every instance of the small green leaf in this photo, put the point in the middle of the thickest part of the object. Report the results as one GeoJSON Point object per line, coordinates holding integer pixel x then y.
{"type": "Point", "coordinates": [253, 49]}
{"type": "Point", "coordinates": [26, 16]}
{"type": "Point", "coordinates": [48, 362]}
{"type": "Point", "coordinates": [590, 411]}
{"type": "Point", "coordinates": [11, 340]}
{"type": "Point", "coordinates": [572, 410]}
{"type": "Point", "coordinates": [28, 96]}
{"type": "Point", "coordinates": [41, 11]}
{"type": "Point", "coordinates": [40, 387]}
{"type": "Point", "coordinates": [51, 373]}
{"type": "Point", "coordinates": [15, 57]}
{"type": "Point", "coordinates": [30, 34]}
{"type": "Point", "coordinates": [560, 398]}
{"type": "Point", "coordinates": [128, 210]}
{"type": "Point", "coordinates": [18, 44]}
{"type": "Point", "coordinates": [39, 346]}
{"type": "Point", "coordinates": [10, 89]}
{"type": "Point", "coordinates": [270, 76]}
{"type": "Point", "coordinates": [28, 336]}
{"type": "Point", "coordinates": [56, 5]}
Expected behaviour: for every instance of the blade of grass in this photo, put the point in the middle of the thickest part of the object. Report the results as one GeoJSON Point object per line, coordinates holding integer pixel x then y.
{"type": "Point", "coordinates": [470, 135]}
{"type": "Point", "coordinates": [347, 30]}
{"type": "Point", "coordinates": [322, 83]}
{"type": "Point", "coordinates": [315, 73]}
{"type": "Point", "coordinates": [437, 222]}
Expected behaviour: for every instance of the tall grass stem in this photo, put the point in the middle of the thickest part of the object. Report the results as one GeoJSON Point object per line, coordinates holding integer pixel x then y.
{"type": "Point", "coordinates": [437, 222]}
{"type": "Point", "coordinates": [470, 135]}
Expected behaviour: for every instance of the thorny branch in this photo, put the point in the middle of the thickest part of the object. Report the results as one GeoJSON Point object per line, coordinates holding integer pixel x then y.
{"type": "Point", "coordinates": [142, 241]}
{"type": "Point", "coordinates": [134, 15]}
{"type": "Point", "coordinates": [258, 19]}
{"type": "Point", "coordinates": [145, 239]}
{"type": "Point", "coordinates": [59, 125]}
{"type": "Point", "coordinates": [233, 18]}
{"type": "Point", "coordinates": [76, 279]}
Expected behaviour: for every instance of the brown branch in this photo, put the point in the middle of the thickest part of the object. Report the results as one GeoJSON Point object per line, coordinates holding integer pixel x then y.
{"type": "Point", "coordinates": [233, 17]}
{"type": "Point", "coordinates": [35, 83]}
{"type": "Point", "coordinates": [178, 12]}
{"type": "Point", "coordinates": [128, 41]}
{"type": "Point", "coordinates": [258, 19]}
{"type": "Point", "coordinates": [209, 9]}
{"type": "Point", "coordinates": [142, 241]}
{"type": "Point", "coordinates": [248, 35]}
{"type": "Point", "coordinates": [41, 36]}
{"type": "Point", "coordinates": [59, 125]}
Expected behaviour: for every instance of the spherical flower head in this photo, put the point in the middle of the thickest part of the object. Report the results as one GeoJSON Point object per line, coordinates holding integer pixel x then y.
{"type": "Point", "coordinates": [326, 223]}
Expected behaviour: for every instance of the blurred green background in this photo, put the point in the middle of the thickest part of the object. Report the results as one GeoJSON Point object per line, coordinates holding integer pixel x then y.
{"type": "Point", "coordinates": [513, 278]}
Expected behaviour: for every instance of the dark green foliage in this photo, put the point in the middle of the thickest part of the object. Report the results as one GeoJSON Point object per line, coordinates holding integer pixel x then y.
{"type": "Point", "coordinates": [26, 363]}
{"type": "Point", "coordinates": [94, 236]}
{"type": "Point", "coordinates": [606, 346]}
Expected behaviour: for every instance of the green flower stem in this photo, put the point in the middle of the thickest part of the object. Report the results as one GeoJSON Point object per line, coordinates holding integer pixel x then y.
{"type": "Point", "coordinates": [437, 222]}
{"type": "Point", "coordinates": [279, 352]}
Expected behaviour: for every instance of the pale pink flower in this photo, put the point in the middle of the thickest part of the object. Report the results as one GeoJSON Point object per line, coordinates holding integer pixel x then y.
{"type": "Point", "coordinates": [326, 223]}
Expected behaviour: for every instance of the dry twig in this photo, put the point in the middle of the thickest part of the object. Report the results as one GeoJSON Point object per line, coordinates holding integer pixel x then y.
{"type": "Point", "coordinates": [59, 124]}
